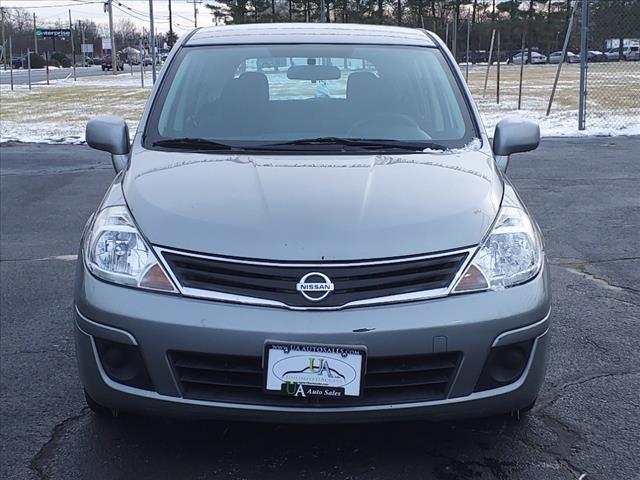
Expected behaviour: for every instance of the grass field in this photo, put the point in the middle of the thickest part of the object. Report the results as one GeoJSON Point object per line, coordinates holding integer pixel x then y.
{"type": "Point", "coordinates": [59, 112]}
{"type": "Point", "coordinates": [613, 104]}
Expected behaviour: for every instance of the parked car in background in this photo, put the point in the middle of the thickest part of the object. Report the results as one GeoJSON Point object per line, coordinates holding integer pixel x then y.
{"type": "Point", "coordinates": [536, 58]}
{"type": "Point", "coordinates": [612, 55]}
{"type": "Point", "coordinates": [596, 56]}
{"type": "Point", "coordinates": [397, 272]}
{"type": "Point", "coordinates": [107, 63]}
{"type": "Point", "coordinates": [19, 61]}
{"type": "Point", "coordinates": [59, 59]}
{"type": "Point", "coordinates": [477, 56]}
{"type": "Point", "coordinates": [629, 54]}
{"type": "Point", "coordinates": [84, 62]}
{"type": "Point", "coordinates": [569, 58]}
{"type": "Point", "coordinates": [504, 56]}
{"type": "Point", "coordinates": [632, 54]}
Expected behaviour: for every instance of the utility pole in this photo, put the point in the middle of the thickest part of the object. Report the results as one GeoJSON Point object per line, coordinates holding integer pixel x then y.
{"type": "Point", "coordinates": [29, 66]}
{"type": "Point", "coordinates": [35, 36]}
{"type": "Point", "coordinates": [522, 61]}
{"type": "Point", "coordinates": [323, 17]}
{"type": "Point", "coordinates": [195, 11]}
{"type": "Point", "coordinates": [468, 37]}
{"type": "Point", "coordinates": [583, 65]}
{"type": "Point", "coordinates": [455, 36]}
{"type": "Point", "coordinates": [11, 61]}
{"type": "Point", "coordinates": [565, 46]}
{"type": "Point", "coordinates": [83, 41]}
{"type": "Point", "coordinates": [170, 27]}
{"type": "Point", "coordinates": [152, 42]}
{"type": "Point", "coordinates": [498, 72]}
{"type": "Point", "coordinates": [114, 53]}
{"type": "Point", "coordinates": [73, 47]}
{"type": "Point", "coordinates": [4, 43]}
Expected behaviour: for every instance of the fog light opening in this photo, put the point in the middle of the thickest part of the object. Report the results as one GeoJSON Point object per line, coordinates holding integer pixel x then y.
{"type": "Point", "coordinates": [123, 363]}
{"type": "Point", "coordinates": [504, 365]}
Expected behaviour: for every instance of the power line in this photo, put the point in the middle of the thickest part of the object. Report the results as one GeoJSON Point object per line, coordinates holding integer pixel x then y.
{"type": "Point", "coordinates": [136, 16]}
{"type": "Point", "coordinates": [155, 15]}
{"type": "Point", "coordinates": [88, 2]}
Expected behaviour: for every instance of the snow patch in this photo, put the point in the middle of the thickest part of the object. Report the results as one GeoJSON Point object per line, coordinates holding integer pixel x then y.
{"type": "Point", "coordinates": [472, 146]}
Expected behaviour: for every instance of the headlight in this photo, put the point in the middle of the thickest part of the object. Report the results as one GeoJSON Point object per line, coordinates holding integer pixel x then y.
{"type": "Point", "coordinates": [511, 254]}
{"type": "Point", "coordinates": [115, 251]}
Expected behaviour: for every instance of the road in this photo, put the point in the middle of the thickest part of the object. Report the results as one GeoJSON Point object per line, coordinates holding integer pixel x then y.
{"type": "Point", "coordinates": [21, 77]}
{"type": "Point", "coordinates": [584, 193]}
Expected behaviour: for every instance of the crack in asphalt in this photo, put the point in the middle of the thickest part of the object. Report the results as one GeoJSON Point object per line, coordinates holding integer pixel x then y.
{"type": "Point", "coordinates": [38, 461]}
{"type": "Point", "coordinates": [567, 435]}
{"type": "Point", "coordinates": [626, 302]}
{"type": "Point", "coordinates": [580, 269]}
{"type": "Point", "coordinates": [52, 171]}
{"type": "Point", "coordinates": [62, 258]}
{"type": "Point", "coordinates": [558, 392]}
{"type": "Point", "coordinates": [591, 262]}
{"type": "Point", "coordinates": [65, 350]}
{"type": "Point", "coordinates": [562, 431]}
{"type": "Point", "coordinates": [457, 469]}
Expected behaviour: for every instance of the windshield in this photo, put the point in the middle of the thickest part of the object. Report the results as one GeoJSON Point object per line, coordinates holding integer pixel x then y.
{"type": "Point", "coordinates": [309, 97]}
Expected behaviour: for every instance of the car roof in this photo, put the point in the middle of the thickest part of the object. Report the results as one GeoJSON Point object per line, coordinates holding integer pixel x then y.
{"type": "Point", "coordinates": [309, 33]}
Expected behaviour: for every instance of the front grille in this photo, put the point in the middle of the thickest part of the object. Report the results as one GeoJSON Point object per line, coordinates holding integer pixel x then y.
{"type": "Point", "coordinates": [352, 282]}
{"type": "Point", "coordinates": [240, 379]}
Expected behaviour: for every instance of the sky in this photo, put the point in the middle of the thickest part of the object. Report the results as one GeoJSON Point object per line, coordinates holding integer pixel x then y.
{"type": "Point", "coordinates": [136, 10]}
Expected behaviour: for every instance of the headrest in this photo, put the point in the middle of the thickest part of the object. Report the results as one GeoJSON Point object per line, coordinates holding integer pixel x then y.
{"type": "Point", "coordinates": [250, 87]}
{"type": "Point", "coordinates": [363, 86]}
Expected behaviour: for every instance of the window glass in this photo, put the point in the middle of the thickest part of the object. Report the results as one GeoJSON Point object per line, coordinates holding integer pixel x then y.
{"type": "Point", "coordinates": [258, 94]}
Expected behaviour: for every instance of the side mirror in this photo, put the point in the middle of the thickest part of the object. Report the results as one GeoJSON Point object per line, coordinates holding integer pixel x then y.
{"type": "Point", "coordinates": [514, 135]}
{"type": "Point", "coordinates": [110, 134]}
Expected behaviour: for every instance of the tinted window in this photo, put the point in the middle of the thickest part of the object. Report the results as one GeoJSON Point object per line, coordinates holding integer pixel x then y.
{"type": "Point", "coordinates": [255, 95]}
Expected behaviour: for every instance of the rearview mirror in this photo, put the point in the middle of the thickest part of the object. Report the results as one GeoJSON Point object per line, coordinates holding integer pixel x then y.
{"type": "Point", "coordinates": [313, 72]}
{"type": "Point", "coordinates": [110, 134]}
{"type": "Point", "coordinates": [514, 135]}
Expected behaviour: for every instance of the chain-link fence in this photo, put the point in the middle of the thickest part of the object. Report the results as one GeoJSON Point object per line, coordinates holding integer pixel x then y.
{"type": "Point", "coordinates": [613, 68]}
{"type": "Point", "coordinates": [601, 94]}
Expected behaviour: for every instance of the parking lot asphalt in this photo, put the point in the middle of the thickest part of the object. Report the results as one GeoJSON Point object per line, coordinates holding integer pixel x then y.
{"type": "Point", "coordinates": [584, 192]}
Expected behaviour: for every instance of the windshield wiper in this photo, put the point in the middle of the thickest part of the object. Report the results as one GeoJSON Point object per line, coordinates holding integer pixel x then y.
{"type": "Point", "coordinates": [367, 144]}
{"type": "Point", "coordinates": [189, 143]}
{"type": "Point", "coordinates": [357, 143]}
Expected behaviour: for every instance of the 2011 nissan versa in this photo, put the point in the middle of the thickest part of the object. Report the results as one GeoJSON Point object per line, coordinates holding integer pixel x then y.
{"type": "Point", "coordinates": [311, 225]}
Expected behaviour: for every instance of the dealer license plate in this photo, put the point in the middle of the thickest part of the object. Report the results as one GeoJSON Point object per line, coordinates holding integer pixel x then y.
{"type": "Point", "coordinates": [305, 370]}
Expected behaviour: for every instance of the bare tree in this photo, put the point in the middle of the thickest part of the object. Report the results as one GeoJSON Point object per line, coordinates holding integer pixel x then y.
{"type": "Point", "coordinates": [126, 32]}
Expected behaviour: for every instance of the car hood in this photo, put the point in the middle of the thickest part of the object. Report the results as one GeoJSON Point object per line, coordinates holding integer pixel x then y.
{"type": "Point", "coordinates": [313, 207]}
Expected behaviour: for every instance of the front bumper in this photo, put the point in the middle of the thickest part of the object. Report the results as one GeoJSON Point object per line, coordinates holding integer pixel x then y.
{"type": "Point", "coordinates": [159, 323]}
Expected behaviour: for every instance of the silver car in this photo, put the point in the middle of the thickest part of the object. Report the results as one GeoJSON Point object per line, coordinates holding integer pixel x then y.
{"type": "Point", "coordinates": [571, 57]}
{"type": "Point", "coordinates": [536, 58]}
{"type": "Point", "coordinates": [332, 240]}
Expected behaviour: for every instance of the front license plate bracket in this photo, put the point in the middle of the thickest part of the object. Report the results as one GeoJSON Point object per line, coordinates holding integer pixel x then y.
{"type": "Point", "coordinates": [313, 370]}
